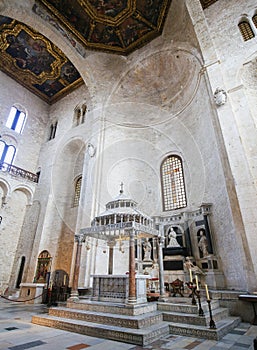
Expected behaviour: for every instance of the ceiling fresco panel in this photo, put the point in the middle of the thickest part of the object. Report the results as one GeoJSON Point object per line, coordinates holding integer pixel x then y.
{"type": "Point", "coordinates": [36, 63]}
{"type": "Point", "coordinates": [116, 26]}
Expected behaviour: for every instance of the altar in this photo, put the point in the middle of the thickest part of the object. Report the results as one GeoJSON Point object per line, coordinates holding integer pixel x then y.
{"type": "Point", "coordinates": [115, 288]}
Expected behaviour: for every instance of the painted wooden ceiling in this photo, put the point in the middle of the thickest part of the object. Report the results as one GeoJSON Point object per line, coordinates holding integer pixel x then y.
{"type": "Point", "coordinates": [114, 26]}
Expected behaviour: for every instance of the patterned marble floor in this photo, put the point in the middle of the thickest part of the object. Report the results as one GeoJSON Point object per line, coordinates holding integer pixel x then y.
{"type": "Point", "coordinates": [17, 333]}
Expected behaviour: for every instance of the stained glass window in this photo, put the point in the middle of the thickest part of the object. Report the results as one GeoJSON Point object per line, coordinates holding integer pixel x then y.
{"type": "Point", "coordinates": [173, 186]}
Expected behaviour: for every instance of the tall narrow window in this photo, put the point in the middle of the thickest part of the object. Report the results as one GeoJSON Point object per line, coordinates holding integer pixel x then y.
{"type": "Point", "coordinates": [246, 30]}
{"type": "Point", "coordinates": [173, 186]}
{"type": "Point", "coordinates": [77, 191]}
{"type": "Point", "coordinates": [79, 114]}
{"type": "Point", "coordinates": [52, 131]}
{"type": "Point", "coordinates": [7, 153]}
{"type": "Point", "coordinates": [16, 120]}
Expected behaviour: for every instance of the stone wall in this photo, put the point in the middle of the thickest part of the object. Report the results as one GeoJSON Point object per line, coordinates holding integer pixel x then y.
{"type": "Point", "coordinates": [16, 192]}
{"type": "Point", "coordinates": [155, 102]}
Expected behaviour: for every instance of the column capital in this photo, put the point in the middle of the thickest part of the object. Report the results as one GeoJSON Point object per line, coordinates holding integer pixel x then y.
{"type": "Point", "coordinates": [79, 238]}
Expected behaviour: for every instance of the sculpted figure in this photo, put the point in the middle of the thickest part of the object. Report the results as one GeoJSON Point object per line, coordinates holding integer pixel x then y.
{"type": "Point", "coordinates": [203, 244]}
{"type": "Point", "coordinates": [147, 250]}
{"type": "Point", "coordinates": [190, 266]}
{"type": "Point", "coordinates": [172, 239]}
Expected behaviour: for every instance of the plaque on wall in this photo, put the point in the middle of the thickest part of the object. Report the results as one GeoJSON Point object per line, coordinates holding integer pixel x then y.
{"type": "Point", "coordinates": [173, 265]}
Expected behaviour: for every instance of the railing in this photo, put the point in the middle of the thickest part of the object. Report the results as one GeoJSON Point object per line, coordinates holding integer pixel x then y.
{"type": "Point", "coordinates": [15, 171]}
{"type": "Point", "coordinates": [110, 229]}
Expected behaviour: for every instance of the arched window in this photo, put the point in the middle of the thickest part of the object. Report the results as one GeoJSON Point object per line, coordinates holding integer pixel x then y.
{"type": "Point", "coordinates": [7, 153]}
{"type": "Point", "coordinates": [79, 115]}
{"type": "Point", "coordinates": [173, 186]}
{"type": "Point", "coordinates": [246, 30]}
{"type": "Point", "coordinates": [16, 120]}
{"type": "Point", "coordinates": [77, 191]}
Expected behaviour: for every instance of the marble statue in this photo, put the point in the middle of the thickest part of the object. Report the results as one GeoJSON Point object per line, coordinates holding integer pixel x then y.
{"type": "Point", "coordinates": [172, 238]}
{"type": "Point", "coordinates": [190, 266]}
{"type": "Point", "coordinates": [147, 250]}
{"type": "Point", "coordinates": [203, 244]}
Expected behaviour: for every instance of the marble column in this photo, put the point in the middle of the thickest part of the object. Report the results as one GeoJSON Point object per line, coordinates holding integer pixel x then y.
{"type": "Point", "coordinates": [132, 298]}
{"type": "Point", "coordinates": [161, 240]}
{"type": "Point", "coordinates": [74, 288]}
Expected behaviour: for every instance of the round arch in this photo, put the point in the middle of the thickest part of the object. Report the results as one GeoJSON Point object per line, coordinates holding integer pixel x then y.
{"type": "Point", "coordinates": [27, 191]}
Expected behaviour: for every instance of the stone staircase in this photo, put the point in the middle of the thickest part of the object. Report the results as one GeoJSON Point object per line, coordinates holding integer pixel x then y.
{"type": "Point", "coordinates": [139, 324]}
{"type": "Point", "coordinates": [184, 319]}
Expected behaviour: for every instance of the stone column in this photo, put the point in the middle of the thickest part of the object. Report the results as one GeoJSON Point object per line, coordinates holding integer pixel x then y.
{"type": "Point", "coordinates": [161, 240]}
{"type": "Point", "coordinates": [74, 288]}
{"type": "Point", "coordinates": [132, 298]}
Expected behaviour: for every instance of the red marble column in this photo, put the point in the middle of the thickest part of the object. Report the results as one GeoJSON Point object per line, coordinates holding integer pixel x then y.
{"type": "Point", "coordinates": [74, 288]}
{"type": "Point", "coordinates": [132, 298]}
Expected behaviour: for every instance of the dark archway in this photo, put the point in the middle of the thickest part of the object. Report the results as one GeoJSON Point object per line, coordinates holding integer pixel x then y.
{"type": "Point", "coordinates": [19, 278]}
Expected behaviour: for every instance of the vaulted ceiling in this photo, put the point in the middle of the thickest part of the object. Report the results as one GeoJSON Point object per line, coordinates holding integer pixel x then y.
{"type": "Point", "coordinates": [115, 26]}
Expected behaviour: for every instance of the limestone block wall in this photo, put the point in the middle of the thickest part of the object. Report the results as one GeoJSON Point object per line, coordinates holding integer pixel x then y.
{"type": "Point", "coordinates": [17, 193]}
{"type": "Point", "coordinates": [61, 160]}
{"type": "Point", "coordinates": [234, 71]}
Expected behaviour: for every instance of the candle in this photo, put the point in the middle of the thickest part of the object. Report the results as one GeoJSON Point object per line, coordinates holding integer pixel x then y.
{"type": "Point", "coordinates": [191, 277]}
{"type": "Point", "coordinates": [207, 292]}
{"type": "Point", "coordinates": [196, 280]}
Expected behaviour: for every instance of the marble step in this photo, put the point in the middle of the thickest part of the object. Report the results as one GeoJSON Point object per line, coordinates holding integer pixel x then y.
{"type": "Point", "coordinates": [186, 307]}
{"type": "Point", "coordinates": [218, 314]}
{"type": "Point", "coordinates": [142, 336]}
{"type": "Point", "coordinates": [138, 321]}
{"type": "Point", "coordinates": [222, 328]}
{"type": "Point", "coordinates": [113, 308]}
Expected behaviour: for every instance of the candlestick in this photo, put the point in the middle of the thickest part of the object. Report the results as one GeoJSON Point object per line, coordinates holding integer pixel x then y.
{"type": "Point", "coordinates": [201, 313]}
{"type": "Point", "coordinates": [191, 276]}
{"type": "Point", "coordinates": [196, 281]}
{"type": "Point", "coordinates": [212, 323]}
{"type": "Point", "coordinates": [193, 294]}
{"type": "Point", "coordinates": [207, 292]}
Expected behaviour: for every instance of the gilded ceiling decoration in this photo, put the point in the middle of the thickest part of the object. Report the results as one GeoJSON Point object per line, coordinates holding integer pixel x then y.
{"type": "Point", "coordinates": [117, 26]}
{"type": "Point", "coordinates": [33, 61]}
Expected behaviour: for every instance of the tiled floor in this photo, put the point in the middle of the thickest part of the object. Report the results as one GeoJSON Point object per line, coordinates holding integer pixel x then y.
{"type": "Point", "coordinates": [17, 333]}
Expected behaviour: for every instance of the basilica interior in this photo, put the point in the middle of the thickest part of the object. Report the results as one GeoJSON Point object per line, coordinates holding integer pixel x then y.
{"type": "Point", "coordinates": [128, 159]}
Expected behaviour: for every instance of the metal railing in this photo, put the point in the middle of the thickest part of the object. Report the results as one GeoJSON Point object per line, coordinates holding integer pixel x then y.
{"type": "Point", "coordinates": [18, 172]}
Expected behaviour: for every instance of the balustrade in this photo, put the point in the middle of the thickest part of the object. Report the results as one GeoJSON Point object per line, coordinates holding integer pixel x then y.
{"type": "Point", "coordinates": [18, 172]}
